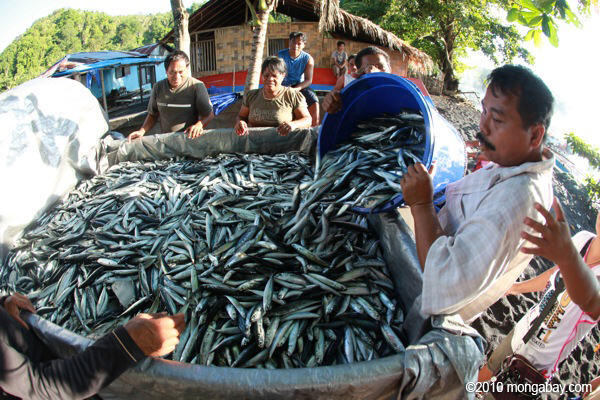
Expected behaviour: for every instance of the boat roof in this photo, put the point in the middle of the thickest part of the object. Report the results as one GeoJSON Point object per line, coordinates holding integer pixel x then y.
{"type": "Point", "coordinates": [87, 61]}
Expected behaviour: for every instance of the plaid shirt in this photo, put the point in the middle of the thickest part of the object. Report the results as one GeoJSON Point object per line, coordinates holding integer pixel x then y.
{"type": "Point", "coordinates": [478, 260]}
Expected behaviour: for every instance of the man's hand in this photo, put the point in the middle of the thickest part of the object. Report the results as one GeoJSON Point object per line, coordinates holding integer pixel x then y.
{"type": "Point", "coordinates": [156, 334]}
{"type": "Point", "coordinates": [241, 128]}
{"type": "Point", "coordinates": [195, 130]}
{"type": "Point", "coordinates": [332, 102]}
{"type": "Point", "coordinates": [15, 303]}
{"type": "Point", "coordinates": [135, 135]}
{"type": "Point", "coordinates": [285, 128]}
{"type": "Point", "coordinates": [554, 242]}
{"type": "Point", "coordinates": [417, 185]}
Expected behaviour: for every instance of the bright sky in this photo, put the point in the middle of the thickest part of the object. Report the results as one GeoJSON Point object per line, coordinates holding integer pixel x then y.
{"type": "Point", "coordinates": [16, 16]}
{"type": "Point", "coordinates": [571, 70]}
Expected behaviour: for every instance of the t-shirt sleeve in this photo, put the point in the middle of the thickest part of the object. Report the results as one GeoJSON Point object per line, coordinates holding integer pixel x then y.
{"type": "Point", "coordinates": [203, 105]}
{"type": "Point", "coordinates": [152, 104]}
{"type": "Point", "coordinates": [298, 100]}
{"type": "Point", "coordinates": [249, 97]}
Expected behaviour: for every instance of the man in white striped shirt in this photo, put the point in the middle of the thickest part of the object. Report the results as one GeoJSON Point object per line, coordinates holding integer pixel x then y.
{"type": "Point", "coordinates": [469, 252]}
{"type": "Point", "coordinates": [179, 103]}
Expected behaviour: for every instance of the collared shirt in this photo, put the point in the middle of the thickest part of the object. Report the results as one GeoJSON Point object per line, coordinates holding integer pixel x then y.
{"type": "Point", "coordinates": [479, 258]}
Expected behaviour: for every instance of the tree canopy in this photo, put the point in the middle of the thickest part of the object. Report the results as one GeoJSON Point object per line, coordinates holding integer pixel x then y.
{"type": "Point", "coordinates": [68, 31]}
{"type": "Point", "coordinates": [446, 29]}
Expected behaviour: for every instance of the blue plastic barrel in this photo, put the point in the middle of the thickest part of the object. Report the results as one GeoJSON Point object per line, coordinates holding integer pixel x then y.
{"type": "Point", "coordinates": [377, 93]}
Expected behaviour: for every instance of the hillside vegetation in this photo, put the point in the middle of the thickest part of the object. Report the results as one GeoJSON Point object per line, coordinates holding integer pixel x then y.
{"type": "Point", "coordinates": [68, 31]}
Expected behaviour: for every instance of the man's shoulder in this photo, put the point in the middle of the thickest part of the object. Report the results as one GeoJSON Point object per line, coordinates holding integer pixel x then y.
{"type": "Point", "coordinates": [191, 81]}
{"type": "Point", "coordinates": [284, 52]}
{"type": "Point", "coordinates": [161, 85]}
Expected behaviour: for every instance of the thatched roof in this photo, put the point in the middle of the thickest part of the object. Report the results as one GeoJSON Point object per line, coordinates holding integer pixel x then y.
{"type": "Point", "coordinates": [221, 13]}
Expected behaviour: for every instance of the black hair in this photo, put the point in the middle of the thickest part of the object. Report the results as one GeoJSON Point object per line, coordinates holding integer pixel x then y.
{"type": "Point", "coordinates": [352, 56]}
{"type": "Point", "coordinates": [300, 35]}
{"type": "Point", "coordinates": [176, 56]}
{"type": "Point", "coordinates": [341, 42]}
{"type": "Point", "coordinates": [534, 99]}
{"type": "Point", "coordinates": [367, 51]}
{"type": "Point", "coordinates": [274, 64]}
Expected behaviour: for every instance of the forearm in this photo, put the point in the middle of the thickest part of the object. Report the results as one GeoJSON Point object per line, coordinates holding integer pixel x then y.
{"type": "Point", "coordinates": [535, 284]}
{"type": "Point", "coordinates": [581, 284]}
{"type": "Point", "coordinates": [302, 123]}
{"type": "Point", "coordinates": [206, 120]}
{"type": "Point", "coordinates": [148, 123]}
{"type": "Point", "coordinates": [77, 377]}
{"type": "Point", "coordinates": [427, 229]}
{"type": "Point", "coordinates": [303, 85]}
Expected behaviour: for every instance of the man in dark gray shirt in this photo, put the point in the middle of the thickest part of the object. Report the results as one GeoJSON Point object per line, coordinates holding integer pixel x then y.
{"type": "Point", "coordinates": [30, 371]}
{"type": "Point", "coordinates": [179, 103]}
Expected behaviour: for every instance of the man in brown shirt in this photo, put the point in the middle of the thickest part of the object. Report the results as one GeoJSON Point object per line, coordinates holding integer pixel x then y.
{"type": "Point", "coordinates": [179, 103]}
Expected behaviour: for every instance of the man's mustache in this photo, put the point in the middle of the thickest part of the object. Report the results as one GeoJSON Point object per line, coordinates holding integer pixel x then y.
{"type": "Point", "coordinates": [485, 142]}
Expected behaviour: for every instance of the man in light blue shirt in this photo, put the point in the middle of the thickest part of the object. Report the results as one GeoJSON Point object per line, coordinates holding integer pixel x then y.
{"type": "Point", "coordinates": [300, 67]}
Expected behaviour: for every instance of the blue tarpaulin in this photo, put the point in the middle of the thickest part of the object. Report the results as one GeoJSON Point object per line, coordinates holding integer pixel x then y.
{"type": "Point", "coordinates": [222, 101]}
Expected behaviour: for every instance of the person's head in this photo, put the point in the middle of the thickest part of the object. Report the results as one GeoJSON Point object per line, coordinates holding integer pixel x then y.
{"type": "Point", "coordinates": [373, 59]}
{"type": "Point", "coordinates": [352, 63]}
{"type": "Point", "coordinates": [517, 109]}
{"type": "Point", "coordinates": [273, 70]}
{"type": "Point", "coordinates": [176, 65]}
{"type": "Point", "coordinates": [341, 45]}
{"type": "Point", "coordinates": [297, 42]}
{"type": "Point", "coordinates": [598, 225]}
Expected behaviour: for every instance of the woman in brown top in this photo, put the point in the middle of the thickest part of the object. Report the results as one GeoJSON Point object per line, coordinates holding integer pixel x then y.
{"type": "Point", "coordinates": [273, 104]}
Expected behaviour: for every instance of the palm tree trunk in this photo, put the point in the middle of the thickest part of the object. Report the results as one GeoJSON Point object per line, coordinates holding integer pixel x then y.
{"type": "Point", "coordinates": [180, 20]}
{"type": "Point", "coordinates": [259, 36]}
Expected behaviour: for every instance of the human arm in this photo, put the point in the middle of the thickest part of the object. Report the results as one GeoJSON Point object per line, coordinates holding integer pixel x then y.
{"type": "Point", "coordinates": [151, 117]}
{"type": "Point", "coordinates": [14, 304]}
{"type": "Point", "coordinates": [535, 284]}
{"type": "Point", "coordinates": [241, 121]}
{"type": "Point", "coordinates": [417, 189]}
{"type": "Point", "coordinates": [77, 377]}
{"type": "Point", "coordinates": [193, 131]}
{"type": "Point", "coordinates": [204, 109]}
{"type": "Point", "coordinates": [308, 75]}
{"type": "Point", "coordinates": [554, 243]}
{"type": "Point", "coordinates": [146, 126]}
{"type": "Point", "coordinates": [302, 120]}
{"type": "Point", "coordinates": [332, 103]}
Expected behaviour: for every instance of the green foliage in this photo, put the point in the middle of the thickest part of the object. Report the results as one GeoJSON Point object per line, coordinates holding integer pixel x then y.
{"type": "Point", "coordinates": [580, 147]}
{"type": "Point", "coordinates": [68, 31]}
{"type": "Point", "coordinates": [540, 17]}
{"type": "Point", "coordinates": [446, 29]}
{"type": "Point", "coordinates": [593, 188]}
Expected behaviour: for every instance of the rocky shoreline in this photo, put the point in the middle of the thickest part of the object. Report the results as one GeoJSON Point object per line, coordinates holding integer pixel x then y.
{"type": "Point", "coordinates": [582, 365]}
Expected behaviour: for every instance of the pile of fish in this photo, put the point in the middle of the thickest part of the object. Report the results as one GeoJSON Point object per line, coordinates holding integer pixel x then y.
{"type": "Point", "coordinates": [261, 253]}
{"type": "Point", "coordinates": [376, 158]}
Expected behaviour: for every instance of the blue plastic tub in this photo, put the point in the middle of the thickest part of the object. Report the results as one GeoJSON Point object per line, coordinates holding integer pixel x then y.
{"type": "Point", "coordinates": [378, 93]}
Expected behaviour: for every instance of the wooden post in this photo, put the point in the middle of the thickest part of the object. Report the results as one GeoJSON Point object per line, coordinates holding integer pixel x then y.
{"type": "Point", "coordinates": [140, 82]}
{"type": "Point", "coordinates": [103, 91]}
{"type": "Point", "coordinates": [233, 80]}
